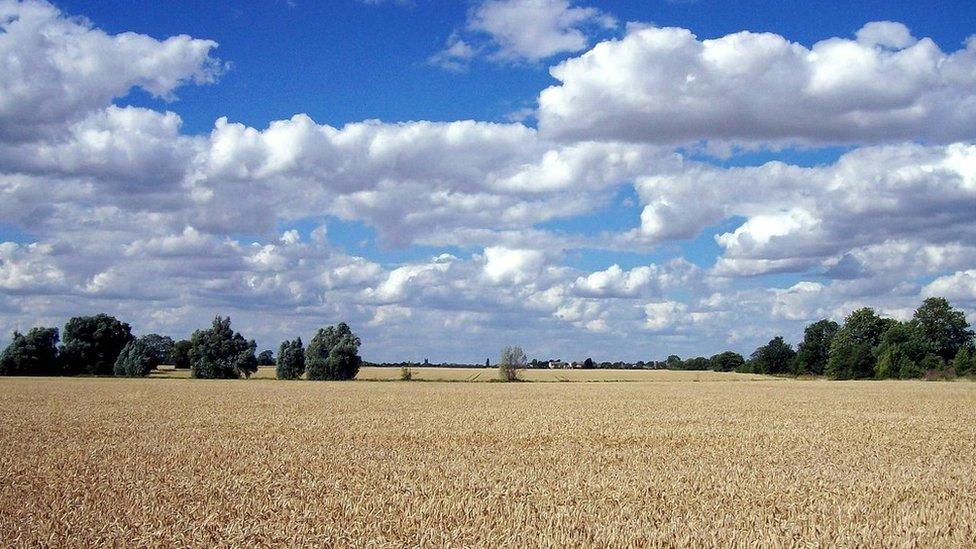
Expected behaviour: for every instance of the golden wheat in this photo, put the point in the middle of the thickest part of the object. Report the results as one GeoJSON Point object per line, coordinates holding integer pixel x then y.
{"type": "Point", "coordinates": [168, 462]}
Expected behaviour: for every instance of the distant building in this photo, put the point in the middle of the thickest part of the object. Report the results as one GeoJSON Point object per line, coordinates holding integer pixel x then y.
{"type": "Point", "coordinates": [558, 365]}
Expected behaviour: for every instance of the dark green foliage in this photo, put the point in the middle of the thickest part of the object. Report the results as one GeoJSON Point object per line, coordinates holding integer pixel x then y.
{"type": "Point", "coordinates": [901, 351]}
{"type": "Point", "coordinates": [963, 362]}
{"type": "Point", "coordinates": [946, 328]}
{"type": "Point", "coordinates": [697, 363]}
{"type": "Point", "coordinates": [674, 363]}
{"type": "Point", "coordinates": [181, 354]}
{"type": "Point", "coordinates": [137, 359]}
{"type": "Point", "coordinates": [291, 360]}
{"type": "Point", "coordinates": [812, 353]}
{"type": "Point", "coordinates": [34, 354]}
{"type": "Point", "coordinates": [161, 348]}
{"type": "Point", "coordinates": [221, 353]}
{"type": "Point", "coordinates": [588, 364]}
{"type": "Point", "coordinates": [775, 357]}
{"type": "Point", "coordinates": [266, 358]}
{"type": "Point", "coordinates": [852, 349]}
{"type": "Point", "coordinates": [728, 361]}
{"type": "Point", "coordinates": [333, 354]}
{"type": "Point", "coordinates": [91, 344]}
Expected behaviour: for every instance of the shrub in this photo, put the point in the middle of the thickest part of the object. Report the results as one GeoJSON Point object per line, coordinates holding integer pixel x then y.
{"type": "Point", "coordinates": [406, 373]}
{"type": "Point", "coordinates": [34, 354]}
{"type": "Point", "coordinates": [221, 353]}
{"type": "Point", "coordinates": [333, 354]}
{"type": "Point", "coordinates": [963, 362]}
{"type": "Point", "coordinates": [137, 359]}
{"type": "Point", "coordinates": [291, 360]}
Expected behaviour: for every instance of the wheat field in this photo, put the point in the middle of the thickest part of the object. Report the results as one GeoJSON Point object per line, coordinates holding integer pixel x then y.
{"type": "Point", "coordinates": [434, 373]}
{"type": "Point", "coordinates": [170, 462]}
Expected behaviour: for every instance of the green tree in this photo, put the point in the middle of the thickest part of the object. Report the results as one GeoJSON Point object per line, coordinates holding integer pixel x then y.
{"type": "Point", "coordinates": [726, 362]}
{"type": "Point", "coordinates": [963, 362]}
{"type": "Point", "coordinates": [137, 359]}
{"type": "Point", "coordinates": [946, 328]}
{"type": "Point", "coordinates": [674, 363]}
{"type": "Point", "coordinates": [181, 354]}
{"type": "Point", "coordinates": [333, 354]}
{"type": "Point", "coordinates": [161, 347]}
{"type": "Point", "coordinates": [697, 363]}
{"type": "Point", "coordinates": [91, 344]}
{"type": "Point", "coordinates": [266, 358]}
{"type": "Point", "coordinates": [512, 360]}
{"type": "Point", "coordinates": [812, 353]}
{"type": "Point", "coordinates": [221, 353]}
{"type": "Point", "coordinates": [852, 349]}
{"type": "Point", "coordinates": [901, 352]}
{"type": "Point", "coordinates": [34, 354]}
{"type": "Point", "coordinates": [775, 357]}
{"type": "Point", "coordinates": [588, 364]}
{"type": "Point", "coordinates": [291, 360]}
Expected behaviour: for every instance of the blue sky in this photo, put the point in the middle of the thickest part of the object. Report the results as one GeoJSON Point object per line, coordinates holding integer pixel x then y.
{"type": "Point", "coordinates": [622, 190]}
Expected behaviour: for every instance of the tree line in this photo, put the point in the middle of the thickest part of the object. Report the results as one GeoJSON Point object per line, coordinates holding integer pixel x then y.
{"type": "Point", "coordinates": [936, 343]}
{"type": "Point", "coordinates": [102, 345]}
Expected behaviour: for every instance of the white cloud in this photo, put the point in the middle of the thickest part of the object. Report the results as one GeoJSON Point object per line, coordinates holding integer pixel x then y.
{"type": "Point", "coordinates": [55, 68]}
{"type": "Point", "coordinates": [959, 286]}
{"type": "Point", "coordinates": [663, 85]}
{"type": "Point", "coordinates": [522, 30]}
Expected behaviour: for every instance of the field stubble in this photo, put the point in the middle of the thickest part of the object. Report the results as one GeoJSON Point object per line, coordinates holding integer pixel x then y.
{"type": "Point", "coordinates": [177, 462]}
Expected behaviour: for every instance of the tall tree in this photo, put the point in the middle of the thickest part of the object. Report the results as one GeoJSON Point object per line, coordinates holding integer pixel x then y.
{"type": "Point", "coordinates": [942, 325]}
{"type": "Point", "coordinates": [812, 353]}
{"type": "Point", "coordinates": [137, 359]}
{"type": "Point", "coordinates": [221, 353]}
{"type": "Point", "coordinates": [291, 360]}
{"type": "Point", "coordinates": [92, 344]}
{"type": "Point", "coordinates": [333, 354]}
{"type": "Point", "coordinates": [852, 349]}
{"type": "Point", "coordinates": [901, 352]}
{"type": "Point", "coordinates": [34, 354]}
{"type": "Point", "coordinates": [775, 357]}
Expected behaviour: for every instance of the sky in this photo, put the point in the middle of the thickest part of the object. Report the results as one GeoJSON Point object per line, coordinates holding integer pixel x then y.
{"type": "Point", "coordinates": [621, 180]}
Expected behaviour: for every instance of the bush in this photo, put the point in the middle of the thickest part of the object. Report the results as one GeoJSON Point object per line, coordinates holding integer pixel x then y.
{"type": "Point", "coordinates": [137, 359]}
{"type": "Point", "coordinates": [333, 354]}
{"type": "Point", "coordinates": [512, 360]}
{"type": "Point", "coordinates": [406, 373]}
{"type": "Point", "coordinates": [291, 360]}
{"type": "Point", "coordinates": [221, 353]}
{"type": "Point", "coordinates": [34, 354]}
{"type": "Point", "coordinates": [92, 344]}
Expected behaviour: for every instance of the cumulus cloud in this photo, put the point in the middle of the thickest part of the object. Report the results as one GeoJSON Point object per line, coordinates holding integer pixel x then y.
{"type": "Point", "coordinates": [55, 68]}
{"type": "Point", "coordinates": [116, 209]}
{"type": "Point", "coordinates": [797, 218]}
{"type": "Point", "coordinates": [664, 85]}
{"type": "Point", "coordinates": [522, 30]}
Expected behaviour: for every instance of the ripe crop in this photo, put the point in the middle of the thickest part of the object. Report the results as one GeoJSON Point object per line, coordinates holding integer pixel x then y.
{"type": "Point", "coordinates": [170, 462]}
